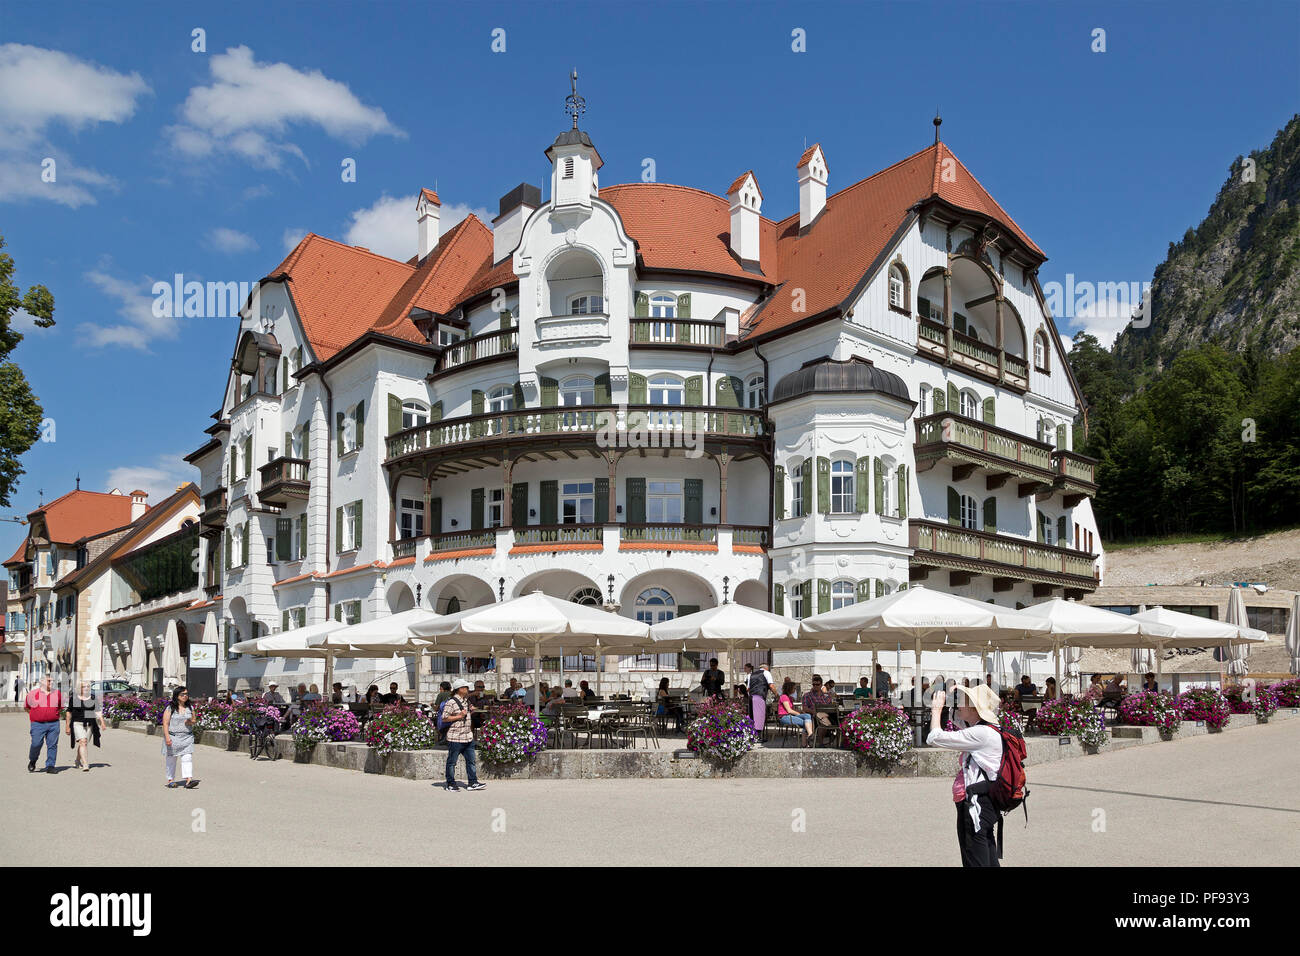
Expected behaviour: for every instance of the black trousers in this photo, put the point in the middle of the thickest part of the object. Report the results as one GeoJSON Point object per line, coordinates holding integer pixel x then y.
{"type": "Point", "coordinates": [977, 848]}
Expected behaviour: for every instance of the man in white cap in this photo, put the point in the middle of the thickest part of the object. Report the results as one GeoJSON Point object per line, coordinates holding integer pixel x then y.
{"type": "Point", "coordinates": [272, 695]}
{"type": "Point", "coordinates": [977, 767]}
{"type": "Point", "coordinates": [457, 717]}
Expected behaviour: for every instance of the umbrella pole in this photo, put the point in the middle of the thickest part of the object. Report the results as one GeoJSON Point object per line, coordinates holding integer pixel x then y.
{"type": "Point", "coordinates": [1160, 653]}
{"type": "Point", "coordinates": [329, 672]}
{"type": "Point", "coordinates": [537, 676]}
{"type": "Point", "coordinates": [419, 663]}
{"type": "Point", "coordinates": [1056, 653]}
{"type": "Point", "coordinates": [918, 701]}
{"type": "Point", "coordinates": [561, 680]}
{"type": "Point", "coordinates": [600, 672]}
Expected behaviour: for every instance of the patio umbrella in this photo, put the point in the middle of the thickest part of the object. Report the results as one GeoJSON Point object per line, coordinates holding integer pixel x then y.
{"type": "Point", "coordinates": [171, 656]}
{"type": "Point", "coordinates": [728, 627]}
{"type": "Point", "coordinates": [1192, 631]}
{"type": "Point", "coordinates": [1293, 636]}
{"type": "Point", "coordinates": [391, 634]}
{"type": "Point", "coordinates": [533, 620]}
{"type": "Point", "coordinates": [137, 656]}
{"type": "Point", "coordinates": [1236, 655]}
{"type": "Point", "coordinates": [295, 643]}
{"type": "Point", "coordinates": [1142, 660]}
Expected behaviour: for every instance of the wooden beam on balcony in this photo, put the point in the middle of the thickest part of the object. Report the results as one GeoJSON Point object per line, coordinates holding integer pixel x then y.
{"type": "Point", "coordinates": [1027, 488]}
{"type": "Point", "coordinates": [918, 573]}
{"type": "Point", "coordinates": [994, 482]}
{"type": "Point", "coordinates": [962, 472]}
{"type": "Point", "coordinates": [1003, 584]}
{"type": "Point", "coordinates": [925, 464]}
{"type": "Point", "coordinates": [958, 578]}
{"type": "Point", "coordinates": [1043, 590]}
{"type": "Point", "coordinates": [1071, 500]}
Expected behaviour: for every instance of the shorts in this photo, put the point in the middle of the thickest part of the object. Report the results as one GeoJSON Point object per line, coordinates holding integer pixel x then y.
{"type": "Point", "coordinates": [80, 732]}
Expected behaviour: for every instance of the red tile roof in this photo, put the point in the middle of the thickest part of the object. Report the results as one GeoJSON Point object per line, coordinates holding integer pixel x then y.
{"type": "Point", "coordinates": [430, 195]}
{"type": "Point", "coordinates": [83, 514]}
{"type": "Point", "coordinates": [807, 155]}
{"type": "Point", "coordinates": [18, 555]}
{"type": "Point", "coordinates": [740, 181]}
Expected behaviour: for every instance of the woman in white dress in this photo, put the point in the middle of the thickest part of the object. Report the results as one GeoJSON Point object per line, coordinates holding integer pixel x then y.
{"type": "Point", "coordinates": [178, 738]}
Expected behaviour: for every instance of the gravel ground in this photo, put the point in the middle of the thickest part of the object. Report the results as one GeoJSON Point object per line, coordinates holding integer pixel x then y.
{"type": "Point", "coordinates": [1272, 558]}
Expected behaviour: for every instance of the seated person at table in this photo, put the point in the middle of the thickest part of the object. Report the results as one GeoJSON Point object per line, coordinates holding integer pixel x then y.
{"type": "Point", "coordinates": [546, 691]}
{"type": "Point", "coordinates": [1026, 686]}
{"type": "Point", "coordinates": [662, 701]}
{"type": "Point", "coordinates": [515, 690]}
{"type": "Point", "coordinates": [553, 705]}
{"type": "Point", "coordinates": [1150, 683]}
{"type": "Point", "coordinates": [1096, 687]}
{"type": "Point", "coordinates": [336, 693]}
{"type": "Point", "coordinates": [587, 692]}
{"type": "Point", "coordinates": [478, 693]}
{"type": "Point", "coordinates": [830, 689]}
{"type": "Point", "coordinates": [444, 691]}
{"type": "Point", "coordinates": [373, 697]}
{"type": "Point", "coordinates": [864, 689]}
{"type": "Point", "coordinates": [1049, 689]}
{"type": "Point", "coordinates": [787, 711]}
{"type": "Point", "coordinates": [1116, 684]}
{"type": "Point", "coordinates": [392, 697]}
{"type": "Point", "coordinates": [570, 692]}
{"type": "Point", "coordinates": [312, 694]}
{"type": "Point", "coordinates": [295, 693]}
{"type": "Point", "coordinates": [272, 695]}
{"type": "Point", "coordinates": [817, 697]}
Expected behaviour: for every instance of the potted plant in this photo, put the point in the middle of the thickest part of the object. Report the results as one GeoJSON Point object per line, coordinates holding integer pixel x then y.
{"type": "Point", "coordinates": [210, 715]}
{"type": "Point", "coordinates": [1158, 709]}
{"type": "Point", "coordinates": [239, 721]}
{"type": "Point", "coordinates": [720, 732]}
{"type": "Point", "coordinates": [1078, 717]}
{"type": "Point", "coordinates": [1207, 704]}
{"type": "Point", "coordinates": [1288, 692]}
{"type": "Point", "coordinates": [1265, 704]}
{"type": "Point", "coordinates": [511, 736]}
{"type": "Point", "coordinates": [1235, 695]}
{"type": "Point", "coordinates": [878, 732]}
{"type": "Point", "coordinates": [320, 722]}
{"type": "Point", "coordinates": [401, 728]}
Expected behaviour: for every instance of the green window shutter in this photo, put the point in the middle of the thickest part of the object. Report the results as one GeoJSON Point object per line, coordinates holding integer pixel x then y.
{"type": "Point", "coordinates": [519, 503]}
{"type": "Point", "coordinates": [1060, 531]}
{"type": "Point", "coordinates": [394, 414]}
{"type": "Point", "coordinates": [635, 500]}
{"type": "Point", "coordinates": [302, 537]}
{"type": "Point", "coordinates": [283, 536]}
{"type": "Point", "coordinates": [1060, 436]}
{"type": "Point", "coordinates": [778, 492]}
{"type": "Point", "coordinates": [954, 400]}
{"type": "Point", "coordinates": [694, 495]}
{"type": "Point", "coordinates": [435, 516]}
{"type": "Point", "coordinates": [284, 620]}
{"type": "Point", "coordinates": [287, 450]}
{"type": "Point", "coordinates": [990, 416]}
{"type": "Point", "coordinates": [862, 592]}
{"type": "Point", "coordinates": [954, 506]}
{"type": "Point", "coordinates": [356, 526]}
{"type": "Point", "coordinates": [248, 456]}
{"type": "Point", "coordinates": [991, 515]}
{"type": "Point", "coordinates": [519, 395]}
{"type": "Point", "coordinates": [602, 501]}
{"type": "Point", "coordinates": [684, 306]}
{"type": "Point", "coordinates": [824, 485]}
{"type": "Point", "coordinates": [284, 376]}
{"type": "Point", "coordinates": [806, 589]}
{"type": "Point", "coordinates": [778, 599]}
{"type": "Point", "coordinates": [880, 486]}
{"type": "Point", "coordinates": [642, 306]}
{"type": "Point", "coordinates": [823, 596]}
{"type": "Point", "coordinates": [550, 502]}
{"type": "Point", "coordinates": [724, 394]}
{"type": "Point", "coordinates": [602, 388]}
{"type": "Point", "coordinates": [805, 469]}
{"type": "Point", "coordinates": [435, 412]}
{"type": "Point", "coordinates": [862, 485]}
{"type": "Point", "coordinates": [476, 408]}
{"type": "Point", "coordinates": [903, 490]}
{"type": "Point", "coordinates": [939, 404]}
{"type": "Point", "coordinates": [476, 509]}
{"type": "Point", "coordinates": [923, 307]}
{"type": "Point", "coordinates": [306, 441]}
{"type": "Point", "coordinates": [695, 390]}
{"type": "Point", "coordinates": [338, 612]}
{"type": "Point", "coordinates": [507, 319]}
{"type": "Point", "coordinates": [360, 414]}
{"type": "Point", "coordinates": [338, 432]}
{"type": "Point", "coordinates": [636, 389]}
{"type": "Point", "coordinates": [959, 323]}
{"type": "Point", "coordinates": [880, 588]}
{"type": "Point", "coordinates": [683, 330]}
{"type": "Point", "coordinates": [550, 398]}
{"type": "Point", "coordinates": [245, 564]}
{"type": "Point", "coordinates": [227, 537]}
{"type": "Point", "coordinates": [338, 529]}
{"type": "Point", "coordinates": [1042, 524]}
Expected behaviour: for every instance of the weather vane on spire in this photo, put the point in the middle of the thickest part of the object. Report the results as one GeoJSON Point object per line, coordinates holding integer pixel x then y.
{"type": "Point", "coordinates": [574, 104]}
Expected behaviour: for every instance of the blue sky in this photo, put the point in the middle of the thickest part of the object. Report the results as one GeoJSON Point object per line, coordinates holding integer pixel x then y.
{"type": "Point", "coordinates": [208, 164]}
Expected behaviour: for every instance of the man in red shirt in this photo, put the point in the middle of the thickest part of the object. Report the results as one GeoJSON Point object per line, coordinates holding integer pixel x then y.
{"type": "Point", "coordinates": [43, 706]}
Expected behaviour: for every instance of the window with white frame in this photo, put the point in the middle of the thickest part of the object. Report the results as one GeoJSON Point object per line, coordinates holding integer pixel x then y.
{"type": "Point", "coordinates": [414, 414]}
{"type": "Point", "coordinates": [1040, 351]}
{"type": "Point", "coordinates": [448, 336]}
{"type": "Point", "coordinates": [923, 401]}
{"type": "Point", "coordinates": [349, 527]}
{"type": "Point", "coordinates": [349, 612]}
{"type": "Point", "coordinates": [969, 513]}
{"type": "Point", "coordinates": [795, 594]}
{"type": "Point", "coordinates": [298, 540]}
{"type": "Point", "coordinates": [296, 442]}
{"type": "Point", "coordinates": [969, 404]}
{"type": "Point", "coordinates": [576, 391]}
{"type": "Point", "coordinates": [796, 489]}
{"type": "Point", "coordinates": [652, 606]}
{"type": "Point", "coordinates": [663, 306]}
{"type": "Point", "coordinates": [236, 544]}
{"type": "Point", "coordinates": [897, 290]}
{"type": "Point", "coordinates": [663, 502]}
{"type": "Point", "coordinates": [841, 594]}
{"type": "Point", "coordinates": [496, 503]}
{"type": "Point", "coordinates": [410, 517]}
{"type": "Point", "coordinates": [351, 429]}
{"type": "Point", "coordinates": [577, 502]}
{"type": "Point", "coordinates": [888, 487]}
{"type": "Point", "coordinates": [666, 390]}
{"type": "Point", "coordinates": [936, 312]}
{"type": "Point", "coordinates": [499, 399]}
{"type": "Point", "coordinates": [755, 392]}
{"type": "Point", "coordinates": [297, 617]}
{"type": "Point", "coordinates": [589, 303]}
{"type": "Point", "coordinates": [270, 549]}
{"type": "Point", "coordinates": [843, 500]}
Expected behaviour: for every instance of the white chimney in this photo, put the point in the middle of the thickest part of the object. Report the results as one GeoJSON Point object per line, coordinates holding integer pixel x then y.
{"type": "Point", "coordinates": [746, 200]}
{"type": "Point", "coordinates": [427, 210]}
{"type": "Point", "coordinates": [138, 503]}
{"type": "Point", "coordinates": [508, 227]}
{"type": "Point", "coordinates": [812, 184]}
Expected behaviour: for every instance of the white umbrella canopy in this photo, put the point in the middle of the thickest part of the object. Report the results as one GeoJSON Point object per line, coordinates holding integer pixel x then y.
{"type": "Point", "coordinates": [137, 656]}
{"type": "Point", "coordinates": [171, 655]}
{"type": "Point", "coordinates": [1072, 624]}
{"type": "Point", "coordinates": [730, 627]}
{"type": "Point", "coordinates": [1293, 635]}
{"type": "Point", "coordinates": [1235, 654]}
{"type": "Point", "coordinates": [295, 643]}
{"type": "Point", "coordinates": [1193, 631]}
{"type": "Point", "coordinates": [391, 634]}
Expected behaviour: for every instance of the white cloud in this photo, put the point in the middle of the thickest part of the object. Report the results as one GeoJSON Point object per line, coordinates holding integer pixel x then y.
{"type": "Point", "coordinates": [250, 107]}
{"type": "Point", "coordinates": [139, 326]}
{"type": "Point", "coordinates": [222, 239]}
{"type": "Point", "coordinates": [1104, 319]}
{"type": "Point", "coordinates": [388, 226]}
{"type": "Point", "coordinates": [292, 237]}
{"type": "Point", "coordinates": [40, 89]}
{"type": "Point", "coordinates": [159, 479]}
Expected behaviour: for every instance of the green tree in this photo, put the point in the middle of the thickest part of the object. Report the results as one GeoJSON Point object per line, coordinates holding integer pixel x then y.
{"type": "Point", "coordinates": [20, 412]}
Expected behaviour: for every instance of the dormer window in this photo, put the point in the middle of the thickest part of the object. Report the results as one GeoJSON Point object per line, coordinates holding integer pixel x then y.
{"type": "Point", "coordinates": [1040, 352]}
{"type": "Point", "coordinates": [568, 168]}
{"type": "Point", "coordinates": [586, 304]}
{"type": "Point", "coordinates": [899, 292]}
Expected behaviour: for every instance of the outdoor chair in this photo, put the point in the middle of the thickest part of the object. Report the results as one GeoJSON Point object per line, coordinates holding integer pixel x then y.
{"type": "Point", "coordinates": [639, 723]}
{"type": "Point", "coordinates": [784, 731]}
{"type": "Point", "coordinates": [833, 731]}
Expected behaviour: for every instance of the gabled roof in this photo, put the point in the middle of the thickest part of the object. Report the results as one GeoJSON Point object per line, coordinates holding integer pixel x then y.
{"type": "Point", "coordinates": [137, 529]}
{"type": "Point", "coordinates": [83, 514]}
{"type": "Point", "coordinates": [18, 555]}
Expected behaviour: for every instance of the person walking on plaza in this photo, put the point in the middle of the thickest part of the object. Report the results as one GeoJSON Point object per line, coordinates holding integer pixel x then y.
{"type": "Point", "coordinates": [43, 706]}
{"type": "Point", "coordinates": [980, 746]}
{"type": "Point", "coordinates": [178, 738]}
{"type": "Point", "coordinates": [84, 723]}
{"type": "Point", "coordinates": [18, 687]}
{"type": "Point", "coordinates": [456, 717]}
{"type": "Point", "coordinates": [759, 685]}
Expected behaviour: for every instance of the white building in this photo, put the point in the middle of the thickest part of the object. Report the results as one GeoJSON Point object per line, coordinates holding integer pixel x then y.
{"type": "Point", "coordinates": [653, 397]}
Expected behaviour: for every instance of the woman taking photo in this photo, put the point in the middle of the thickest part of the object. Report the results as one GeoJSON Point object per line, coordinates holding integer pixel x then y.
{"type": "Point", "coordinates": [980, 747]}
{"type": "Point", "coordinates": [84, 722]}
{"type": "Point", "coordinates": [178, 738]}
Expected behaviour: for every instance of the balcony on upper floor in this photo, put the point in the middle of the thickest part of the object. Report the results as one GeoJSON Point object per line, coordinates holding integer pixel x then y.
{"type": "Point", "coordinates": [972, 355]}
{"type": "Point", "coordinates": [659, 333]}
{"type": "Point", "coordinates": [965, 553]}
{"type": "Point", "coordinates": [499, 343]}
{"type": "Point", "coordinates": [213, 518]}
{"type": "Point", "coordinates": [567, 331]}
{"type": "Point", "coordinates": [973, 447]}
{"type": "Point", "coordinates": [1076, 476]}
{"type": "Point", "coordinates": [284, 480]}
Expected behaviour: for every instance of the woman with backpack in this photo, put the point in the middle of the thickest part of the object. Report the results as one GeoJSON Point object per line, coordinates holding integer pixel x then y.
{"type": "Point", "coordinates": [980, 745]}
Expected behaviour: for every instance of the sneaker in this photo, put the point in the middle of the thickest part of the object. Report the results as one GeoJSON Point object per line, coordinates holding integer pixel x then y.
{"type": "Point", "coordinates": [452, 788]}
{"type": "Point", "coordinates": [478, 786]}
{"type": "Point", "coordinates": [31, 766]}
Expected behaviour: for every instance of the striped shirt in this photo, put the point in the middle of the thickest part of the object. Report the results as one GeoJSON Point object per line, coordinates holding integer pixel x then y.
{"type": "Point", "coordinates": [458, 731]}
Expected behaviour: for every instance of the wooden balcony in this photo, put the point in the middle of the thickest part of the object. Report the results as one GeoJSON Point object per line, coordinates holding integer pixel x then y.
{"type": "Point", "coordinates": [284, 480]}
{"type": "Point", "coordinates": [479, 348]}
{"type": "Point", "coordinates": [559, 534]}
{"type": "Point", "coordinates": [1076, 476]}
{"type": "Point", "coordinates": [213, 518]}
{"type": "Point", "coordinates": [964, 553]}
{"type": "Point", "coordinates": [655, 333]}
{"type": "Point", "coordinates": [972, 446]}
{"type": "Point", "coordinates": [969, 354]}
{"type": "Point", "coordinates": [668, 534]}
{"type": "Point", "coordinates": [596, 426]}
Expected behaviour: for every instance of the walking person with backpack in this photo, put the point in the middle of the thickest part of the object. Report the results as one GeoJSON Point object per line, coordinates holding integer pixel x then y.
{"type": "Point", "coordinates": [990, 776]}
{"type": "Point", "coordinates": [456, 715]}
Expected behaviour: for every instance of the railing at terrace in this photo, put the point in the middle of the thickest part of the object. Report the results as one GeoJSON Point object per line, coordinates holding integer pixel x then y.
{"type": "Point", "coordinates": [677, 332]}
{"type": "Point", "coordinates": [478, 347]}
{"type": "Point", "coordinates": [669, 533]}
{"type": "Point", "coordinates": [986, 438]}
{"type": "Point", "coordinates": [560, 534]}
{"type": "Point", "coordinates": [464, 540]}
{"type": "Point", "coordinates": [998, 549]}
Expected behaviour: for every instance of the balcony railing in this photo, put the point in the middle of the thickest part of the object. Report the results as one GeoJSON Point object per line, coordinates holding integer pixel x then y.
{"type": "Point", "coordinates": [214, 511]}
{"type": "Point", "coordinates": [590, 327]}
{"type": "Point", "coordinates": [971, 353]}
{"type": "Point", "coordinates": [464, 540]}
{"type": "Point", "coordinates": [994, 549]}
{"type": "Point", "coordinates": [1068, 464]}
{"type": "Point", "coordinates": [975, 349]}
{"type": "Point", "coordinates": [1016, 366]}
{"type": "Point", "coordinates": [659, 426]}
{"type": "Point", "coordinates": [749, 534]}
{"type": "Point", "coordinates": [560, 534]}
{"type": "Point", "coordinates": [947, 428]}
{"type": "Point", "coordinates": [677, 332]}
{"type": "Point", "coordinates": [488, 345]}
{"type": "Point", "coordinates": [932, 331]}
{"type": "Point", "coordinates": [404, 547]}
{"type": "Point", "coordinates": [284, 479]}
{"type": "Point", "coordinates": [668, 533]}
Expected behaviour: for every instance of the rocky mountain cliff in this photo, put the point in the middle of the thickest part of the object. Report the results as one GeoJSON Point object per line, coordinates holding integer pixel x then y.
{"type": "Point", "coordinates": [1234, 280]}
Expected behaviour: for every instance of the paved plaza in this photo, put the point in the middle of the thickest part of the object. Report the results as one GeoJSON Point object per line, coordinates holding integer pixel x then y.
{"type": "Point", "coordinates": [1195, 801]}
